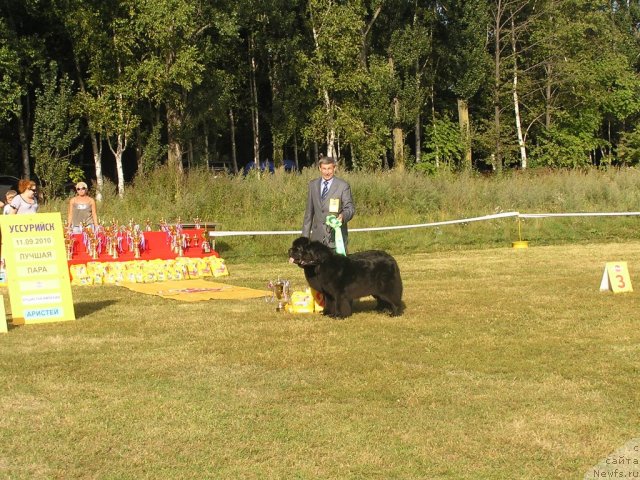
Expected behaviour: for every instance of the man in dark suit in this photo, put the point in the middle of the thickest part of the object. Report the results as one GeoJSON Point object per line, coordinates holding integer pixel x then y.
{"type": "Point", "coordinates": [328, 195]}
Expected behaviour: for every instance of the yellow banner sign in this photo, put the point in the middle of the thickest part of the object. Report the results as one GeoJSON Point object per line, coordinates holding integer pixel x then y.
{"type": "Point", "coordinates": [36, 268]}
{"type": "Point", "coordinates": [3, 317]}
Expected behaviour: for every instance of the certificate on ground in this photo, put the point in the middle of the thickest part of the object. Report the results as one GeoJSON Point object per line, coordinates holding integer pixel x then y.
{"type": "Point", "coordinates": [37, 271]}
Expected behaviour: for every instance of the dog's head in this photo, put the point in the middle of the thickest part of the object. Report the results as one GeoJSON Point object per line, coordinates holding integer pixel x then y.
{"type": "Point", "coordinates": [298, 253]}
{"type": "Point", "coordinates": [304, 252]}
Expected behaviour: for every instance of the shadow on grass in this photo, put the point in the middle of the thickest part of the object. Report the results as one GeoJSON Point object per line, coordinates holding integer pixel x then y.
{"type": "Point", "coordinates": [82, 309]}
{"type": "Point", "coordinates": [368, 304]}
{"type": "Point", "coordinates": [87, 308]}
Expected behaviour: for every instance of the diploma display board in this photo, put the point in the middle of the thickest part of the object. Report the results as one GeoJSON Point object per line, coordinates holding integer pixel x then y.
{"type": "Point", "coordinates": [36, 264]}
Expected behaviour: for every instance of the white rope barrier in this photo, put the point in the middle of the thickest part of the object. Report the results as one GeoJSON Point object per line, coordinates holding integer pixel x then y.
{"type": "Point", "coordinates": [586, 214]}
{"type": "Point", "coordinates": [437, 224]}
{"type": "Point", "coordinates": [217, 233]}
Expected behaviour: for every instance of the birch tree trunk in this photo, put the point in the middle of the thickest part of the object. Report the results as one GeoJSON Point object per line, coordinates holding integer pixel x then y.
{"type": "Point", "coordinates": [496, 85]}
{"type": "Point", "coordinates": [174, 154]}
{"type": "Point", "coordinates": [96, 147]}
{"type": "Point", "coordinates": [277, 138]}
{"type": "Point", "coordinates": [119, 169]}
{"type": "Point", "coordinates": [398, 137]}
{"type": "Point", "coordinates": [234, 159]}
{"type": "Point", "coordinates": [435, 125]}
{"type": "Point", "coordinates": [465, 130]}
{"type": "Point", "coordinates": [516, 105]}
{"type": "Point", "coordinates": [96, 144]}
{"type": "Point", "coordinates": [117, 151]}
{"type": "Point", "coordinates": [331, 133]}
{"type": "Point", "coordinates": [255, 122]}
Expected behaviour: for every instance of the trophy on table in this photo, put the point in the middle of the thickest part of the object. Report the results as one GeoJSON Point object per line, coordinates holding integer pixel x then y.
{"type": "Point", "coordinates": [135, 239]}
{"type": "Point", "coordinates": [173, 239]}
{"type": "Point", "coordinates": [112, 239]}
{"type": "Point", "coordinates": [206, 246]}
{"type": "Point", "coordinates": [93, 244]}
{"type": "Point", "coordinates": [69, 242]}
{"type": "Point", "coordinates": [182, 243]}
{"type": "Point", "coordinates": [281, 290]}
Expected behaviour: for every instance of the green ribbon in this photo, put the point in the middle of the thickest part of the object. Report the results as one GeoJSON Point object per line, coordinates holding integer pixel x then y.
{"type": "Point", "coordinates": [334, 223]}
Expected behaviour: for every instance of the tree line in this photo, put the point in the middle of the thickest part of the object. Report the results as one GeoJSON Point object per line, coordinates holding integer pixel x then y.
{"type": "Point", "coordinates": [127, 85]}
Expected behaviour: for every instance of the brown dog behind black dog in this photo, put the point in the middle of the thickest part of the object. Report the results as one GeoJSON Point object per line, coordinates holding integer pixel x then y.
{"type": "Point", "coordinates": [343, 279]}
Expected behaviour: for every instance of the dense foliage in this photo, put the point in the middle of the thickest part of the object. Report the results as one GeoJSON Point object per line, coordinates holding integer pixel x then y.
{"type": "Point", "coordinates": [428, 84]}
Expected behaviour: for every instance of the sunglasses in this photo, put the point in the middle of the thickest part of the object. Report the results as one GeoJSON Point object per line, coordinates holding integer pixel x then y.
{"type": "Point", "coordinates": [80, 188]}
{"type": "Point", "coordinates": [33, 189]}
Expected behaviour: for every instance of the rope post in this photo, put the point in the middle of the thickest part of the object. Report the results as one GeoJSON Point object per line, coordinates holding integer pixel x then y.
{"type": "Point", "coordinates": [519, 243]}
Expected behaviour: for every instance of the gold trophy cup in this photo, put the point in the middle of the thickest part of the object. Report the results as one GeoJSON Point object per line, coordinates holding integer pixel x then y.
{"type": "Point", "coordinates": [281, 291]}
{"type": "Point", "coordinates": [205, 245]}
{"type": "Point", "coordinates": [68, 243]}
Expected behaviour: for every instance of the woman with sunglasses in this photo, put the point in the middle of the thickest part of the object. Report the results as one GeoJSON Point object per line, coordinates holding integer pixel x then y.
{"type": "Point", "coordinates": [27, 200]}
{"type": "Point", "coordinates": [82, 209]}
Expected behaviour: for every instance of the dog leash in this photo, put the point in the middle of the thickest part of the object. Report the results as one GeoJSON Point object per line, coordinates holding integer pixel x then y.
{"type": "Point", "coordinates": [334, 223]}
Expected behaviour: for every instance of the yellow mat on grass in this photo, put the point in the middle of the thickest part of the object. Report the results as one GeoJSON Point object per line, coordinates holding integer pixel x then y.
{"type": "Point", "coordinates": [196, 290]}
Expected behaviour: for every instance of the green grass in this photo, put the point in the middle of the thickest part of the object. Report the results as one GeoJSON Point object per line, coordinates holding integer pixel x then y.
{"type": "Point", "coordinates": [506, 364]}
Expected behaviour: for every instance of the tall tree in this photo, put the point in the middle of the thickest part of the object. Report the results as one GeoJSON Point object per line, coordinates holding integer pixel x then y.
{"type": "Point", "coordinates": [464, 31]}
{"type": "Point", "coordinates": [87, 25]}
{"type": "Point", "coordinates": [333, 66]}
{"type": "Point", "coordinates": [22, 58]}
{"type": "Point", "coordinates": [411, 49]}
{"type": "Point", "coordinates": [589, 81]}
{"type": "Point", "coordinates": [168, 50]}
{"type": "Point", "coordinates": [55, 131]}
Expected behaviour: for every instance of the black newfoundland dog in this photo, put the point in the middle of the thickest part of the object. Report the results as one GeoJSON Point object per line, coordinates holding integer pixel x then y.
{"type": "Point", "coordinates": [342, 279]}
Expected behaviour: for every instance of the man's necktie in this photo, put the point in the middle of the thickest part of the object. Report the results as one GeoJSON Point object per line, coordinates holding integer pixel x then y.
{"type": "Point", "coordinates": [325, 189]}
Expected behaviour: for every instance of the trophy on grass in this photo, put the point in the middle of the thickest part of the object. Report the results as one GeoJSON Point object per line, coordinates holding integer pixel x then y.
{"type": "Point", "coordinates": [281, 290]}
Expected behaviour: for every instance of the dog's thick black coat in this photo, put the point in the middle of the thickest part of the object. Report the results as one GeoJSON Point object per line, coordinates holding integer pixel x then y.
{"type": "Point", "coordinates": [342, 279]}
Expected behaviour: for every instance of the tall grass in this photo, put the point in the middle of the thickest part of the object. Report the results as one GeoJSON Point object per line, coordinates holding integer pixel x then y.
{"type": "Point", "coordinates": [276, 202]}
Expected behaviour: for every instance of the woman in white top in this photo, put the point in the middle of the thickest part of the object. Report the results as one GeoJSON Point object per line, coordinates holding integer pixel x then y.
{"type": "Point", "coordinates": [82, 210]}
{"type": "Point", "coordinates": [27, 200]}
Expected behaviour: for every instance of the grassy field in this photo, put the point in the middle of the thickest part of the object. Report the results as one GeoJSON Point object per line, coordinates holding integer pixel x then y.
{"type": "Point", "coordinates": [506, 364]}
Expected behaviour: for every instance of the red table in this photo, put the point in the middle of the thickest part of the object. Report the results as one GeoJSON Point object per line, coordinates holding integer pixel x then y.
{"type": "Point", "coordinates": [157, 246]}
